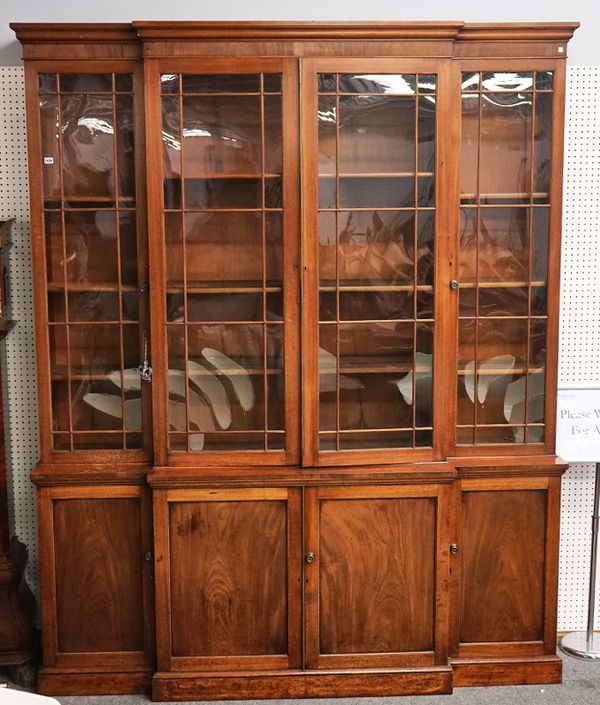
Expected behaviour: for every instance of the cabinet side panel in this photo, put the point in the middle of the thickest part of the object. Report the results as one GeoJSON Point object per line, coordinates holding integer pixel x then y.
{"type": "Point", "coordinates": [228, 578]}
{"type": "Point", "coordinates": [98, 575]}
{"type": "Point", "coordinates": [503, 562]}
{"type": "Point", "coordinates": [377, 575]}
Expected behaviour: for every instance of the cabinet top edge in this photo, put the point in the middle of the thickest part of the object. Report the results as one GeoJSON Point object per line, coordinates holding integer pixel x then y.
{"type": "Point", "coordinates": [50, 32]}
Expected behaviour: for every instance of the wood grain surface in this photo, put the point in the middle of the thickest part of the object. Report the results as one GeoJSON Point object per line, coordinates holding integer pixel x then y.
{"type": "Point", "coordinates": [228, 578]}
{"type": "Point", "coordinates": [99, 595]}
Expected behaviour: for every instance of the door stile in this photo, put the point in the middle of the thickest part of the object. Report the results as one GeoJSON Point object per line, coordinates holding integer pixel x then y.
{"type": "Point", "coordinates": [157, 260]}
{"type": "Point", "coordinates": [446, 258]}
{"type": "Point", "coordinates": [310, 283]}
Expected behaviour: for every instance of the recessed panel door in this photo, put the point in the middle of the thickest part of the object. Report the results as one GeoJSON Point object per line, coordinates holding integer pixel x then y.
{"type": "Point", "coordinates": [375, 576]}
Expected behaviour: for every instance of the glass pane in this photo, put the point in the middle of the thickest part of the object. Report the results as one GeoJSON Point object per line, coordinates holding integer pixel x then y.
{"type": "Point", "coordinates": [543, 138]}
{"type": "Point", "coordinates": [469, 146]}
{"type": "Point", "coordinates": [377, 135]}
{"type": "Point", "coordinates": [504, 245]}
{"type": "Point", "coordinates": [221, 135]}
{"type": "Point", "coordinates": [400, 84]}
{"type": "Point", "coordinates": [125, 150]}
{"type": "Point", "coordinates": [223, 247]}
{"type": "Point", "coordinates": [47, 83]}
{"type": "Point", "coordinates": [171, 136]}
{"type": "Point", "coordinates": [86, 83]}
{"type": "Point", "coordinates": [427, 134]}
{"type": "Point", "coordinates": [123, 82]}
{"type": "Point", "coordinates": [50, 166]}
{"type": "Point", "coordinates": [543, 80]}
{"type": "Point", "coordinates": [220, 83]}
{"type": "Point", "coordinates": [272, 82]}
{"type": "Point", "coordinates": [505, 168]}
{"type": "Point", "coordinates": [88, 150]}
{"type": "Point", "coordinates": [91, 247]}
{"type": "Point", "coordinates": [507, 81]}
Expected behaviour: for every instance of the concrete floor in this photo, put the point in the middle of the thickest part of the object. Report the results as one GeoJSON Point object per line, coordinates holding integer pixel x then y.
{"type": "Point", "coordinates": [581, 686]}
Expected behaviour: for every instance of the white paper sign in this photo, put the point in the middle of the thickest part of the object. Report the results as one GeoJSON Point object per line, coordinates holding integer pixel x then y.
{"type": "Point", "coordinates": [578, 425]}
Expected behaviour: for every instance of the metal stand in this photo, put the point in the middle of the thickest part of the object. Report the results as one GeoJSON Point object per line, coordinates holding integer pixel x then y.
{"type": "Point", "coordinates": [587, 644]}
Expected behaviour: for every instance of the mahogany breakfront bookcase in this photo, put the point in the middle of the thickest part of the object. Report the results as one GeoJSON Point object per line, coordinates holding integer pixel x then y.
{"type": "Point", "coordinates": [332, 250]}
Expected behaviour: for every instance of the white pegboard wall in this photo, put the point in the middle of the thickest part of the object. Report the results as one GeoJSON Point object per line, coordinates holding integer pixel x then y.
{"type": "Point", "coordinates": [18, 353]}
{"type": "Point", "coordinates": [579, 352]}
{"type": "Point", "coordinates": [579, 342]}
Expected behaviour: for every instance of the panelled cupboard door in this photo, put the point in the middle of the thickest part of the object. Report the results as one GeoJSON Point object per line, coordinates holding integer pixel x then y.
{"type": "Point", "coordinates": [374, 190]}
{"type": "Point", "coordinates": [508, 558]}
{"type": "Point", "coordinates": [86, 136]}
{"type": "Point", "coordinates": [228, 568]}
{"type": "Point", "coordinates": [376, 576]}
{"type": "Point", "coordinates": [223, 174]}
{"type": "Point", "coordinates": [97, 577]}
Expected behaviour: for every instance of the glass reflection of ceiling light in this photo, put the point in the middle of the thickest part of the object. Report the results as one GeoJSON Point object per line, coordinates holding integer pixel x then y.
{"type": "Point", "coordinates": [167, 77]}
{"type": "Point", "coordinates": [93, 125]}
{"type": "Point", "coordinates": [390, 83]}
{"type": "Point", "coordinates": [196, 132]}
{"type": "Point", "coordinates": [471, 83]}
{"type": "Point", "coordinates": [508, 82]}
{"type": "Point", "coordinates": [327, 115]}
{"type": "Point", "coordinates": [522, 100]}
{"type": "Point", "coordinates": [170, 141]}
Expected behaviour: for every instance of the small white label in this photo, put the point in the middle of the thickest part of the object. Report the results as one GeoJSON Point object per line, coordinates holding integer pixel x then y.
{"type": "Point", "coordinates": [48, 160]}
{"type": "Point", "coordinates": [561, 50]}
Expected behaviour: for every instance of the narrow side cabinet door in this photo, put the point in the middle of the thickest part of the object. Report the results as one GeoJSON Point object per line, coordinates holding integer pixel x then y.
{"type": "Point", "coordinates": [509, 556]}
{"type": "Point", "coordinates": [228, 578]}
{"type": "Point", "coordinates": [375, 576]}
{"type": "Point", "coordinates": [97, 586]}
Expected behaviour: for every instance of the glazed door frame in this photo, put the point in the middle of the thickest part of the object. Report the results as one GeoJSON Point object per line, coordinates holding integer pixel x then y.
{"type": "Point", "coordinates": [153, 68]}
{"type": "Point", "coordinates": [39, 265]}
{"type": "Point", "coordinates": [164, 559]}
{"type": "Point", "coordinates": [441, 568]}
{"type": "Point", "coordinates": [558, 67]}
{"type": "Point", "coordinates": [446, 221]}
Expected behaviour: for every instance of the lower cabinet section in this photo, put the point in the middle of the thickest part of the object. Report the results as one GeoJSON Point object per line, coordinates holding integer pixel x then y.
{"type": "Point", "coordinates": [506, 621]}
{"type": "Point", "coordinates": [314, 591]}
{"type": "Point", "coordinates": [97, 601]}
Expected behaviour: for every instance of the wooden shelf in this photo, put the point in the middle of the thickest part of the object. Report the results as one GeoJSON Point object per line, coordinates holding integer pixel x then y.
{"type": "Point", "coordinates": [365, 288]}
{"type": "Point", "coordinates": [515, 194]}
{"type": "Point", "coordinates": [377, 175]}
{"type": "Point", "coordinates": [503, 371]}
{"type": "Point", "coordinates": [79, 287]}
{"type": "Point", "coordinates": [224, 288]}
{"type": "Point", "coordinates": [499, 284]}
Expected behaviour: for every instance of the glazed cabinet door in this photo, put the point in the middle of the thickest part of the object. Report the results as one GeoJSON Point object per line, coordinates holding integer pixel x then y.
{"type": "Point", "coordinates": [372, 151]}
{"type": "Point", "coordinates": [376, 576]}
{"type": "Point", "coordinates": [88, 214]}
{"type": "Point", "coordinates": [228, 565]}
{"type": "Point", "coordinates": [224, 210]}
{"type": "Point", "coordinates": [509, 567]}
{"type": "Point", "coordinates": [509, 254]}
{"type": "Point", "coordinates": [97, 582]}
